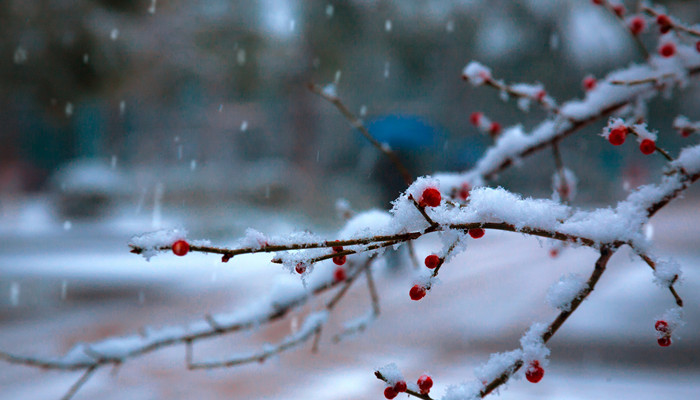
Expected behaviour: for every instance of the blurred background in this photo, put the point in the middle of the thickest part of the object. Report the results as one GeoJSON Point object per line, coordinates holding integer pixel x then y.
{"type": "Point", "coordinates": [203, 106]}
{"type": "Point", "coordinates": [125, 116]}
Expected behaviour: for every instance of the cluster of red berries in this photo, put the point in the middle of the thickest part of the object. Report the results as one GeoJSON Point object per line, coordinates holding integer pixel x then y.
{"type": "Point", "coordinates": [664, 330]}
{"type": "Point", "coordinates": [339, 260]}
{"type": "Point", "coordinates": [664, 23]}
{"type": "Point", "coordinates": [431, 197]}
{"type": "Point", "coordinates": [480, 121]}
{"type": "Point", "coordinates": [425, 382]}
{"type": "Point", "coordinates": [619, 9]}
{"type": "Point", "coordinates": [180, 248]}
{"type": "Point", "coordinates": [392, 391]}
{"type": "Point", "coordinates": [618, 134]}
{"type": "Point", "coordinates": [339, 273]}
{"type": "Point", "coordinates": [534, 372]}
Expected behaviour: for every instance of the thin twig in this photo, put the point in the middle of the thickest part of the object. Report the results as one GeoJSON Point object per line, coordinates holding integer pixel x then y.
{"type": "Point", "coordinates": [373, 314]}
{"type": "Point", "coordinates": [621, 19]}
{"type": "Point", "coordinates": [421, 209]}
{"type": "Point", "coordinates": [605, 254]}
{"type": "Point", "coordinates": [652, 79]}
{"type": "Point", "coordinates": [574, 126]}
{"type": "Point", "coordinates": [679, 27]}
{"type": "Point", "coordinates": [357, 123]}
{"type": "Point", "coordinates": [489, 81]}
{"type": "Point", "coordinates": [652, 265]}
{"type": "Point", "coordinates": [408, 391]}
{"type": "Point", "coordinates": [560, 172]}
{"type": "Point", "coordinates": [412, 255]}
{"type": "Point", "coordinates": [79, 383]}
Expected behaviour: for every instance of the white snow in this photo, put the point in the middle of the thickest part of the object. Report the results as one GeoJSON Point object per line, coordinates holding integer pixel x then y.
{"type": "Point", "coordinates": [476, 73]}
{"type": "Point", "coordinates": [392, 373]}
{"type": "Point", "coordinates": [666, 272]}
{"type": "Point", "coordinates": [567, 186]}
{"type": "Point", "coordinates": [689, 160]}
{"type": "Point", "coordinates": [497, 364]}
{"type": "Point", "coordinates": [643, 132]}
{"type": "Point", "coordinates": [567, 289]}
{"type": "Point", "coordinates": [533, 346]}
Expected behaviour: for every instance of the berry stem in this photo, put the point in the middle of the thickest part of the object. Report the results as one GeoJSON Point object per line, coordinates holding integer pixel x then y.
{"type": "Point", "coordinates": [652, 265]}
{"type": "Point", "coordinates": [502, 87]}
{"type": "Point", "coordinates": [408, 391]}
{"type": "Point", "coordinates": [621, 19]}
{"type": "Point", "coordinates": [672, 25]}
{"type": "Point", "coordinates": [657, 149]}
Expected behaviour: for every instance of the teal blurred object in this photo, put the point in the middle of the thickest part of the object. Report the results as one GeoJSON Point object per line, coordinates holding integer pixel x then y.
{"type": "Point", "coordinates": [417, 143]}
{"type": "Point", "coordinates": [405, 132]}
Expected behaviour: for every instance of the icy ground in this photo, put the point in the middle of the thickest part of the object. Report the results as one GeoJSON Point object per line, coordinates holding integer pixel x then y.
{"type": "Point", "coordinates": [59, 287]}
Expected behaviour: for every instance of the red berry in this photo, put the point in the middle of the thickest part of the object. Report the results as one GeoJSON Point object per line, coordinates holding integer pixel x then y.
{"type": "Point", "coordinates": [300, 268]}
{"type": "Point", "coordinates": [226, 257]}
{"type": "Point", "coordinates": [425, 382]}
{"type": "Point", "coordinates": [417, 292]}
{"type": "Point", "coordinates": [495, 128]}
{"type": "Point", "coordinates": [464, 191]}
{"type": "Point", "coordinates": [475, 118]}
{"type": "Point", "coordinates": [553, 253]}
{"type": "Point", "coordinates": [617, 135]}
{"type": "Point", "coordinates": [476, 233]}
{"type": "Point", "coordinates": [686, 132]}
{"type": "Point", "coordinates": [539, 96]}
{"type": "Point", "coordinates": [667, 50]}
{"type": "Point", "coordinates": [637, 25]}
{"type": "Point", "coordinates": [661, 326]}
{"type": "Point", "coordinates": [340, 260]}
{"type": "Point", "coordinates": [597, 2]}
{"type": "Point", "coordinates": [664, 22]}
{"type": "Point", "coordinates": [337, 249]}
{"type": "Point", "coordinates": [390, 393]}
{"type": "Point", "coordinates": [432, 261]}
{"type": "Point", "coordinates": [619, 10]}
{"type": "Point", "coordinates": [647, 146]}
{"type": "Point", "coordinates": [400, 386]}
{"type": "Point", "coordinates": [664, 341]}
{"type": "Point", "coordinates": [465, 77]}
{"type": "Point", "coordinates": [697, 46]}
{"type": "Point", "coordinates": [339, 274]}
{"type": "Point", "coordinates": [534, 372]}
{"type": "Point", "coordinates": [180, 248]}
{"type": "Point", "coordinates": [589, 83]}
{"type": "Point", "coordinates": [431, 197]}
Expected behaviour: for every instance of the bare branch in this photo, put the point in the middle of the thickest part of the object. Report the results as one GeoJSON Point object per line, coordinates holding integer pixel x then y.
{"type": "Point", "coordinates": [79, 383]}
{"type": "Point", "coordinates": [355, 122]}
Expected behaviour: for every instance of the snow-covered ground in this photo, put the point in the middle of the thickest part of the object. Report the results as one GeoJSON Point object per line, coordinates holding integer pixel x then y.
{"type": "Point", "coordinates": [59, 287]}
